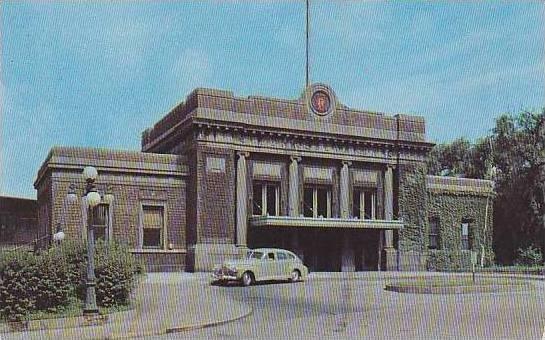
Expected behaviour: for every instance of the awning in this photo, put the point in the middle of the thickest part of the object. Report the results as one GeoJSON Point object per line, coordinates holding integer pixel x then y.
{"type": "Point", "coordinates": [309, 222]}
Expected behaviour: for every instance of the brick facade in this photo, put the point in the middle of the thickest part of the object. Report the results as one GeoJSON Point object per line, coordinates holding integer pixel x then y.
{"type": "Point", "coordinates": [202, 161]}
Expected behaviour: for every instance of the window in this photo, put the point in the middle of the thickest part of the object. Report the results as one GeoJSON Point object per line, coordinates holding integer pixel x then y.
{"type": "Point", "coordinates": [466, 234]}
{"type": "Point", "coordinates": [364, 203]}
{"type": "Point", "coordinates": [101, 222]}
{"type": "Point", "coordinates": [317, 202]}
{"type": "Point", "coordinates": [266, 199]}
{"type": "Point", "coordinates": [434, 233]}
{"type": "Point", "coordinates": [153, 227]}
{"type": "Point", "coordinates": [282, 256]}
{"type": "Point", "coordinates": [270, 256]}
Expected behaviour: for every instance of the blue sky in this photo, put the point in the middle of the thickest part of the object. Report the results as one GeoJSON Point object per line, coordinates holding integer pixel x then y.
{"type": "Point", "coordinates": [98, 74]}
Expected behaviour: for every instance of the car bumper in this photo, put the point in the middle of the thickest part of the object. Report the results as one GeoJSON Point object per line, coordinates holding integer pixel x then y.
{"type": "Point", "coordinates": [224, 277]}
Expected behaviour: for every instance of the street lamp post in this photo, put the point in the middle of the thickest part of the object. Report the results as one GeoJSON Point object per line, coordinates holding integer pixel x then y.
{"type": "Point", "coordinates": [92, 199]}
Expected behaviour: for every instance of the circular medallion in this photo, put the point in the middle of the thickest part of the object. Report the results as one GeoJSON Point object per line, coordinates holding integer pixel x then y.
{"type": "Point", "coordinates": [320, 102]}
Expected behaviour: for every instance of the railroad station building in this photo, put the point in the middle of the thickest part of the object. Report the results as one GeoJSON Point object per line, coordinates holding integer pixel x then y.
{"type": "Point", "coordinates": [345, 189]}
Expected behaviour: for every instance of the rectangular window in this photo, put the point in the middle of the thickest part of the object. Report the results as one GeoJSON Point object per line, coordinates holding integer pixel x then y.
{"type": "Point", "coordinates": [153, 227]}
{"type": "Point", "coordinates": [466, 234]}
{"type": "Point", "coordinates": [434, 233]}
{"type": "Point", "coordinates": [266, 199]}
{"type": "Point", "coordinates": [364, 203]}
{"type": "Point", "coordinates": [101, 223]}
{"type": "Point", "coordinates": [308, 202]}
{"type": "Point", "coordinates": [317, 201]}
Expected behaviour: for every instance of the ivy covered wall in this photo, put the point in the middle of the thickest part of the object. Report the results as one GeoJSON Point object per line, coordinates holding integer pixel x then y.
{"type": "Point", "coordinates": [449, 201]}
{"type": "Point", "coordinates": [450, 209]}
{"type": "Point", "coordinates": [412, 206]}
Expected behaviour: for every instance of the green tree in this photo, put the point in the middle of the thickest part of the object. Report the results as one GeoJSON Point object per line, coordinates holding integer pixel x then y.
{"type": "Point", "coordinates": [513, 155]}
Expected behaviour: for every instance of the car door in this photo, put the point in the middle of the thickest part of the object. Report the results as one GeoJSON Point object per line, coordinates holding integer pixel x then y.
{"type": "Point", "coordinates": [269, 266]}
{"type": "Point", "coordinates": [283, 267]}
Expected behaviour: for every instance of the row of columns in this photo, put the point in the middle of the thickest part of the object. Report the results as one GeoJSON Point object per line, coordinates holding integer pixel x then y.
{"type": "Point", "coordinates": [293, 196]}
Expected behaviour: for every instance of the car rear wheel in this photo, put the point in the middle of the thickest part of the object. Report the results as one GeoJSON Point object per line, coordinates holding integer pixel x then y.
{"type": "Point", "coordinates": [295, 276]}
{"type": "Point", "coordinates": [247, 279]}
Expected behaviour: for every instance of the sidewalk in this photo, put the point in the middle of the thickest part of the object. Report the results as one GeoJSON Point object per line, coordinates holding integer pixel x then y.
{"type": "Point", "coordinates": [166, 302]}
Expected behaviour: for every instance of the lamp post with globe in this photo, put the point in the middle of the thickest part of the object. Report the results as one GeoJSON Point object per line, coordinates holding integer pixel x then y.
{"type": "Point", "coordinates": [91, 199]}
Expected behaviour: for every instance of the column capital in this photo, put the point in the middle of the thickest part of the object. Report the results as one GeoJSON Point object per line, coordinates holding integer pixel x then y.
{"type": "Point", "coordinates": [347, 163]}
{"type": "Point", "coordinates": [295, 158]}
{"type": "Point", "coordinates": [390, 166]}
{"type": "Point", "coordinates": [244, 154]}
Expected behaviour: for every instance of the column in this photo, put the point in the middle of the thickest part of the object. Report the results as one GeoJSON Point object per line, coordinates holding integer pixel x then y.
{"type": "Point", "coordinates": [242, 200]}
{"type": "Point", "coordinates": [293, 193]}
{"type": "Point", "coordinates": [389, 204]}
{"type": "Point", "coordinates": [347, 256]}
{"type": "Point", "coordinates": [389, 251]}
{"type": "Point", "coordinates": [345, 190]}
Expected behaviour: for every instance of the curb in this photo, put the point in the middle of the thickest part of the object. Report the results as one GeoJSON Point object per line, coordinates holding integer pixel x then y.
{"type": "Point", "coordinates": [185, 328]}
{"type": "Point", "coordinates": [457, 289]}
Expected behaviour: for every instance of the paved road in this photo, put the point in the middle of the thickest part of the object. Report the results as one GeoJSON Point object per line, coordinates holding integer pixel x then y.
{"type": "Point", "coordinates": [360, 308]}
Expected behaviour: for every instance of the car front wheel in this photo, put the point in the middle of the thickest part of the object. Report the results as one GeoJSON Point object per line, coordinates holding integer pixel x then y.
{"type": "Point", "coordinates": [247, 279]}
{"type": "Point", "coordinates": [295, 276]}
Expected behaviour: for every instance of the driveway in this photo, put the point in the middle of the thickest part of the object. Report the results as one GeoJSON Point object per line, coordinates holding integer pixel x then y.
{"type": "Point", "coordinates": [359, 307]}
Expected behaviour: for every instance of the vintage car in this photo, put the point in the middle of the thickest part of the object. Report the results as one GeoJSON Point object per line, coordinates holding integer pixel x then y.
{"type": "Point", "coordinates": [262, 264]}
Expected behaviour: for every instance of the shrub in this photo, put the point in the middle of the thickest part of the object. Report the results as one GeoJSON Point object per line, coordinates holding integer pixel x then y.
{"type": "Point", "coordinates": [449, 260]}
{"type": "Point", "coordinates": [116, 269]}
{"type": "Point", "coordinates": [17, 284]}
{"type": "Point", "coordinates": [529, 256]}
{"type": "Point", "coordinates": [49, 280]}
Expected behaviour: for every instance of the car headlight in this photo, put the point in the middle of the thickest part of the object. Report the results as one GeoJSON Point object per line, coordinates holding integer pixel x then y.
{"type": "Point", "coordinates": [231, 269]}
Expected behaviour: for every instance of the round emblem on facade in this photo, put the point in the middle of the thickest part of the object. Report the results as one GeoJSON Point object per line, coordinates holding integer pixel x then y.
{"type": "Point", "coordinates": [320, 102]}
{"type": "Point", "coordinates": [320, 99]}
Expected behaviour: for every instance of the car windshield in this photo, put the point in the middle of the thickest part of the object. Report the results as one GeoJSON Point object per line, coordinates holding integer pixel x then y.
{"type": "Point", "coordinates": [254, 255]}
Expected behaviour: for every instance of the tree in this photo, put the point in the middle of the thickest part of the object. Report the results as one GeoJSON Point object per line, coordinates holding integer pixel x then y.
{"type": "Point", "coordinates": [514, 156]}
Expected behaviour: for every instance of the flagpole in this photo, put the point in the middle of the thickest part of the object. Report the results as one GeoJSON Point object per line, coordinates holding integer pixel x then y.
{"type": "Point", "coordinates": [307, 28]}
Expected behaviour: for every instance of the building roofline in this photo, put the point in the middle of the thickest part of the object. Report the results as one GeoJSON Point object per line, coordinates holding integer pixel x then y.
{"type": "Point", "coordinates": [112, 161]}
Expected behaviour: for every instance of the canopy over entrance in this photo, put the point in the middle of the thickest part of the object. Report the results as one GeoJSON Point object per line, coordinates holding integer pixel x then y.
{"type": "Point", "coordinates": [308, 222]}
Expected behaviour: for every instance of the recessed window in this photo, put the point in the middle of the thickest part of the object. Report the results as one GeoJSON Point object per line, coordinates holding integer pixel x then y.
{"type": "Point", "coordinates": [434, 233]}
{"type": "Point", "coordinates": [266, 199]}
{"type": "Point", "coordinates": [101, 222]}
{"type": "Point", "coordinates": [364, 203]}
{"type": "Point", "coordinates": [317, 201]}
{"type": "Point", "coordinates": [466, 234]}
{"type": "Point", "coordinates": [153, 227]}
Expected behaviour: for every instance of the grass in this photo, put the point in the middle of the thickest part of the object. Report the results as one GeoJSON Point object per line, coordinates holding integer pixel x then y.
{"type": "Point", "coordinates": [456, 281]}
{"type": "Point", "coordinates": [533, 270]}
{"type": "Point", "coordinates": [74, 308]}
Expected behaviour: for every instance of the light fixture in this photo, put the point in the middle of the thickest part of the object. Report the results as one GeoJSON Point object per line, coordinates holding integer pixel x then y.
{"type": "Point", "coordinates": [108, 195]}
{"type": "Point", "coordinates": [71, 196]}
{"type": "Point", "coordinates": [90, 173]}
{"type": "Point", "coordinates": [59, 235]}
{"type": "Point", "coordinates": [93, 199]}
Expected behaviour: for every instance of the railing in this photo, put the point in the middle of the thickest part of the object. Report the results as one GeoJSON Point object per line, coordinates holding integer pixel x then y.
{"type": "Point", "coordinates": [35, 245]}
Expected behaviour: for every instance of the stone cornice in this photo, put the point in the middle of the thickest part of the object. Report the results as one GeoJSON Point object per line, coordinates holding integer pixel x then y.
{"type": "Point", "coordinates": [222, 107]}
{"type": "Point", "coordinates": [459, 186]}
{"type": "Point", "coordinates": [75, 158]}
